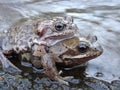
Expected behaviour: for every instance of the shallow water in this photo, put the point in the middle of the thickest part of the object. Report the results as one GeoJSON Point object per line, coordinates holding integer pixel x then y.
{"type": "Point", "coordinates": [97, 17]}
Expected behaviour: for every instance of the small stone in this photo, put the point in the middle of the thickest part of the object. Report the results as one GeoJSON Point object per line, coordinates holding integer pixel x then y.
{"type": "Point", "coordinates": [1, 78]}
{"type": "Point", "coordinates": [99, 74]}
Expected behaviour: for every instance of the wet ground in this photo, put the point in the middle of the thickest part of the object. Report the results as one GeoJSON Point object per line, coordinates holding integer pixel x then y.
{"type": "Point", "coordinates": [97, 17]}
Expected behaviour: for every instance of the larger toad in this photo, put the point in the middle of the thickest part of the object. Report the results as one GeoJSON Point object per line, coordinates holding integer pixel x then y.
{"type": "Point", "coordinates": [21, 38]}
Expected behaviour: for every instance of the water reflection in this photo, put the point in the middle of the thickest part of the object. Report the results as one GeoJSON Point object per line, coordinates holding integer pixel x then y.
{"type": "Point", "coordinates": [101, 18]}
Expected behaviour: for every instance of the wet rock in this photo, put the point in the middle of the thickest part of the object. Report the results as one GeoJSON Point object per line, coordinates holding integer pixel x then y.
{"type": "Point", "coordinates": [11, 82]}
{"type": "Point", "coordinates": [96, 84]}
{"type": "Point", "coordinates": [18, 82]}
{"type": "Point", "coordinates": [115, 85]}
{"type": "Point", "coordinates": [99, 74]}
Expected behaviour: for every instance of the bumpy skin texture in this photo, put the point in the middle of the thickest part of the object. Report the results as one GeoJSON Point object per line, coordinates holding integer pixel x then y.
{"type": "Point", "coordinates": [47, 32]}
{"type": "Point", "coordinates": [21, 38]}
{"type": "Point", "coordinates": [73, 51]}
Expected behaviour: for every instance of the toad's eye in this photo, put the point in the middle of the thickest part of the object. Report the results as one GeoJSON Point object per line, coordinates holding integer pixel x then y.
{"type": "Point", "coordinates": [59, 26]}
{"type": "Point", "coordinates": [83, 48]}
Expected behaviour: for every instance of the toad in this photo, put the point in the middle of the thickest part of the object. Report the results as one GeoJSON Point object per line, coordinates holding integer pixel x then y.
{"type": "Point", "coordinates": [21, 38]}
{"type": "Point", "coordinates": [69, 52]}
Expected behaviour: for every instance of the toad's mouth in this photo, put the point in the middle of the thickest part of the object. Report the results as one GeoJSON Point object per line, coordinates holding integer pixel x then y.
{"type": "Point", "coordinates": [60, 35]}
{"type": "Point", "coordinates": [79, 59]}
{"type": "Point", "coordinates": [82, 55]}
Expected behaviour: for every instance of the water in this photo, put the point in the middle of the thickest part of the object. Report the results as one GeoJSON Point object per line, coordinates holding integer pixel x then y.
{"type": "Point", "coordinates": [97, 17]}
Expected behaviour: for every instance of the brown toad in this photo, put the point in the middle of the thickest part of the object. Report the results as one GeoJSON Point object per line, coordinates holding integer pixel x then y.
{"type": "Point", "coordinates": [69, 52]}
{"type": "Point", "coordinates": [21, 38]}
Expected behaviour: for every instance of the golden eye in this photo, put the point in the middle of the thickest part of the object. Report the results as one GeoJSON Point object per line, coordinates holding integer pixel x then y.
{"type": "Point", "coordinates": [59, 26]}
{"type": "Point", "coordinates": [83, 48]}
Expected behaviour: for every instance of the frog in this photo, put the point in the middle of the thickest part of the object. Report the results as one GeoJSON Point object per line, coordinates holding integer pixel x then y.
{"type": "Point", "coordinates": [20, 38]}
{"type": "Point", "coordinates": [69, 52]}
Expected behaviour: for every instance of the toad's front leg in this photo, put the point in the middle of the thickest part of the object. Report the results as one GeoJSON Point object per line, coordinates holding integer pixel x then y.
{"type": "Point", "coordinates": [7, 65]}
{"type": "Point", "coordinates": [50, 69]}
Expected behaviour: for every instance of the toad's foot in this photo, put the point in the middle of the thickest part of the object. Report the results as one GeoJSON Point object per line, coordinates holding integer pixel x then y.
{"type": "Point", "coordinates": [7, 65]}
{"type": "Point", "coordinates": [50, 69]}
{"type": "Point", "coordinates": [61, 80]}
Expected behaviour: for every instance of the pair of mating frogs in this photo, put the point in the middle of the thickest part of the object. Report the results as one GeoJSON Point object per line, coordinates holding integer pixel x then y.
{"type": "Point", "coordinates": [49, 42]}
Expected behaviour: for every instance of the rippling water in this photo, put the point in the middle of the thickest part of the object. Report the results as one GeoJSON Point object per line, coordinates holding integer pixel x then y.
{"type": "Point", "coordinates": [97, 17]}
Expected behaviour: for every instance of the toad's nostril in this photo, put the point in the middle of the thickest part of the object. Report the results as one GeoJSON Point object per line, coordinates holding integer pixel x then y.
{"type": "Point", "coordinates": [99, 48]}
